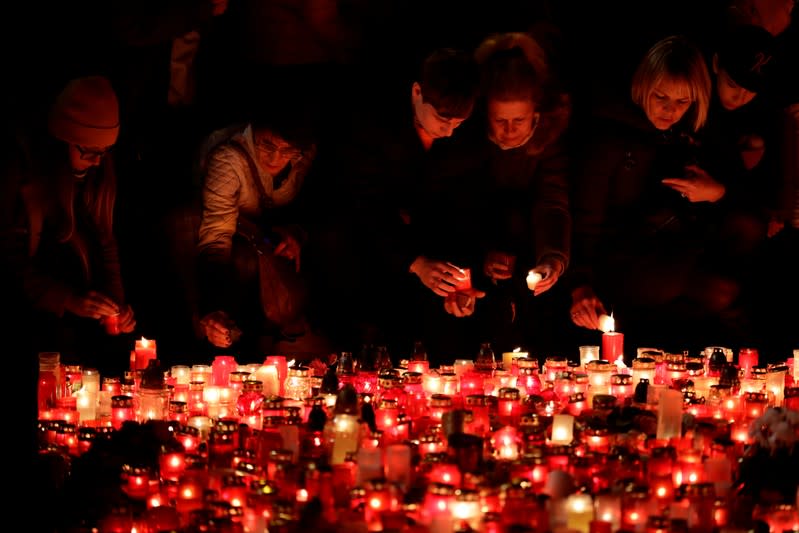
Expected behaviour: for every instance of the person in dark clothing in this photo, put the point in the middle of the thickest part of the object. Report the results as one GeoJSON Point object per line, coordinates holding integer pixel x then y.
{"type": "Point", "coordinates": [392, 168]}
{"type": "Point", "coordinates": [252, 213]}
{"type": "Point", "coordinates": [640, 244]}
{"type": "Point", "coordinates": [58, 232]}
{"type": "Point", "coordinates": [524, 214]}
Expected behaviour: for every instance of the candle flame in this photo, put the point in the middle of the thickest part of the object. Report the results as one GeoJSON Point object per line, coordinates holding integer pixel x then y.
{"type": "Point", "coordinates": [291, 363]}
{"type": "Point", "coordinates": [607, 323]}
{"type": "Point", "coordinates": [517, 349]}
{"type": "Point", "coordinates": [619, 362]}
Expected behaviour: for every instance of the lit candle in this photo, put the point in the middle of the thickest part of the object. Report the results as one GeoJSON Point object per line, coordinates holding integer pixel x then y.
{"type": "Point", "coordinates": [579, 512]}
{"type": "Point", "coordinates": [747, 359]}
{"type": "Point", "coordinates": [562, 429]}
{"type": "Point", "coordinates": [268, 376]}
{"type": "Point", "coordinates": [86, 403]}
{"type": "Point", "coordinates": [507, 358]}
{"type": "Point", "coordinates": [533, 279]}
{"type": "Point", "coordinates": [221, 368]}
{"type": "Point", "coordinates": [398, 464]}
{"type": "Point", "coordinates": [588, 353]}
{"type": "Point", "coordinates": [282, 370]}
{"type": "Point", "coordinates": [506, 443]}
{"type": "Point", "coordinates": [143, 352]}
{"type": "Point", "coordinates": [669, 414]}
{"type": "Point", "coordinates": [612, 340]}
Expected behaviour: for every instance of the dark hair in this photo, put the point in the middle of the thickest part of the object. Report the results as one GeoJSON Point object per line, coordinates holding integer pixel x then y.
{"type": "Point", "coordinates": [449, 80]}
{"type": "Point", "coordinates": [294, 119]}
{"type": "Point", "coordinates": [508, 75]}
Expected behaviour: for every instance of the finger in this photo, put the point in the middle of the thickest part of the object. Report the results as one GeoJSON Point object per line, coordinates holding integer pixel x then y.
{"type": "Point", "coordinates": [218, 328]}
{"type": "Point", "coordinates": [439, 292]}
{"type": "Point", "coordinates": [450, 270]}
{"type": "Point", "coordinates": [478, 293]}
{"type": "Point", "coordinates": [446, 286]}
{"type": "Point", "coordinates": [281, 248]}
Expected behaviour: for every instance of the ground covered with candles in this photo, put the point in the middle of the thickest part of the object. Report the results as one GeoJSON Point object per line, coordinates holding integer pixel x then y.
{"type": "Point", "coordinates": [671, 443]}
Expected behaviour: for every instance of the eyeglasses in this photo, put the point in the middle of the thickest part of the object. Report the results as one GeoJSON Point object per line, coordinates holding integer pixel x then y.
{"type": "Point", "coordinates": [88, 154]}
{"type": "Point", "coordinates": [272, 149]}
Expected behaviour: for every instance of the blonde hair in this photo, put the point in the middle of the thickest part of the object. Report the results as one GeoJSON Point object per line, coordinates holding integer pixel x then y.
{"type": "Point", "coordinates": [677, 59]}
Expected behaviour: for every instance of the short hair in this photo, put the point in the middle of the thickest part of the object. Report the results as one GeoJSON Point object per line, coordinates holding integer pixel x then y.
{"type": "Point", "coordinates": [513, 68]}
{"type": "Point", "coordinates": [678, 59]}
{"type": "Point", "coordinates": [449, 80]}
{"type": "Point", "coordinates": [294, 119]}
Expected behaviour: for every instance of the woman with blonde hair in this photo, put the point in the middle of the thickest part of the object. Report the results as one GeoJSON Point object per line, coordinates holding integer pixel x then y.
{"type": "Point", "coordinates": [640, 244]}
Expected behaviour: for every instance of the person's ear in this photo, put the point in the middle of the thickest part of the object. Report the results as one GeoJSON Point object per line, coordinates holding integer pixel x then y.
{"type": "Point", "coordinates": [416, 92]}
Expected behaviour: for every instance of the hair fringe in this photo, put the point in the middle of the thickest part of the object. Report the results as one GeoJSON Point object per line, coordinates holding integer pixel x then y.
{"type": "Point", "coordinates": [533, 51]}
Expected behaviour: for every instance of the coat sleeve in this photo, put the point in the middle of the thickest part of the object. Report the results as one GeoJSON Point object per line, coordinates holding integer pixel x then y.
{"type": "Point", "coordinates": [552, 219]}
{"type": "Point", "coordinates": [219, 218]}
{"type": "Point", "coordinates": [599, 162]}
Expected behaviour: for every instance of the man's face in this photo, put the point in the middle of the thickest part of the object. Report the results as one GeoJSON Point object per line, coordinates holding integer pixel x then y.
{"type": "Point", "coordinates": [428, 118]}
{"type": "Point", "coordinates": [511, 123]}
{"type": "Point", "coordinates": [731, 95]}
{"type": "Point", "coordinates": [274, 153]}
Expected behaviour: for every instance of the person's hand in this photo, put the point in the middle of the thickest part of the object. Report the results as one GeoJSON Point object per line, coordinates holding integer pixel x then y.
{"type": "Point", "coordinates": [699, 187]}
{"type": "Point", "coordinates": [462, 303]}
{"type": "Point", "coordinates": [127, 323]}
{"type": "Point", "coordinates": [586, 308]}
{"type": "Point", "coordinates": [289, 248]}
{"type": "Point", "coordinates": [218, 7]}
{"type": "Point", "coordinates": [550, 270]}
{"type": "Point", "coordinates": [499, 265]}
{"type": "Point", "coordinates": [438, 276]}
{"type": "Point", "coordinates": [774, 226]}
{"type": "Point", "coordinates": [91, 305]}
{"type": "Point", "coordinates": [217, 327]}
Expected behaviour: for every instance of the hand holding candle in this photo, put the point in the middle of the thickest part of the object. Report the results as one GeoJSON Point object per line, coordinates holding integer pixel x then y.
{"type": "Point", "coordinates": [544, 276]}
{"type": "Point", "coordinates": [586, 308]}
{"type": "Point", "coordinates": [441, 277]}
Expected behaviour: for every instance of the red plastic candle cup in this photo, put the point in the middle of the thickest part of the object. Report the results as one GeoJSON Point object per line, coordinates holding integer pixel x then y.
{"type": "Point", "coordinates": [111, 323]}
{"type": "Point", "coordinates": [465, 283]}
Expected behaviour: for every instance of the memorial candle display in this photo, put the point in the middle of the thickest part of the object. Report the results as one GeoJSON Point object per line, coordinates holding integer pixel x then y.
{"type": "Point", "coordinates": [263, 460]}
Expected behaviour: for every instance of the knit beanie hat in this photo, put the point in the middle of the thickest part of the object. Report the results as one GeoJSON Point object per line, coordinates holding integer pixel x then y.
{"type": "Point", "coordinates": [86, 113]}
{"type": "Point", "coordinates": [746, 53]}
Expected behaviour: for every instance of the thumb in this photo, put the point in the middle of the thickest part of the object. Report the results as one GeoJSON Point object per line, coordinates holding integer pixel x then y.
{"type": "Point", "coordinates": [478, 294]}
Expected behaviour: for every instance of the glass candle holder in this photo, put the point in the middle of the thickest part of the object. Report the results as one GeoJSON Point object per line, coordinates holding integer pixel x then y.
{"type": "Point", "coordinates": [621, 386]}
{"type": "Point", "coordinates": [553, 366]}
{"type": "Point", "coordinates": [122, 410]}
{"type": "Point", "coordinates": [298, 384]}
{"type": "Point", "coordinates": [588, 353]}
{"type": "Point", "coordinates": [599, 372]}
{"type": "Point", "coordinates": [508, 406]}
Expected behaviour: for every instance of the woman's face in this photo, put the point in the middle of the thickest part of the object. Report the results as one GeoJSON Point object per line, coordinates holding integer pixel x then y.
{"type": "Point", "coordinates": [82, 158]}
{"type": "Point", "coordinates": [511, 123]}
{"type": "Point", "coordinates": [274, 153]}
{"type": "Point", "coordinates": [667, 103]}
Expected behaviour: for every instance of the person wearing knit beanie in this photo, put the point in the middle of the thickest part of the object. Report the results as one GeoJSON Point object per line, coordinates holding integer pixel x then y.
{"type": "Point", "coordinates": [85, 115]}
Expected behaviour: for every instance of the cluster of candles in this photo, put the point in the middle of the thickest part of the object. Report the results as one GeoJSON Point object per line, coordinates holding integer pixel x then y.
{"type": "Point", "coordinates": [455, 448]}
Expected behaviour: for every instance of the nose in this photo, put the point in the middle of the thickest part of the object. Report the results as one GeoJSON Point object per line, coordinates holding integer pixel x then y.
{"type": "Point", "coordinates": [447, 129]}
